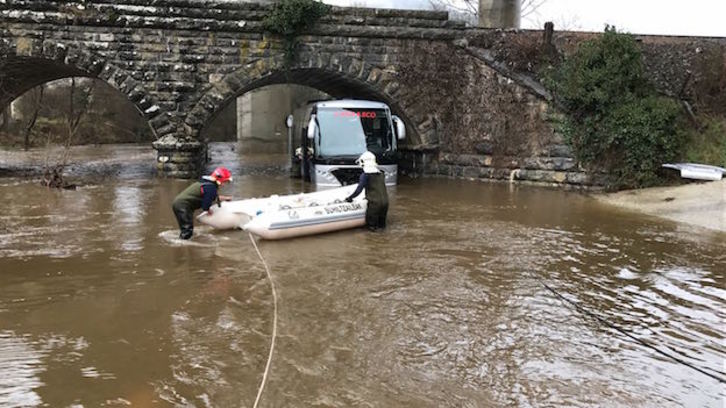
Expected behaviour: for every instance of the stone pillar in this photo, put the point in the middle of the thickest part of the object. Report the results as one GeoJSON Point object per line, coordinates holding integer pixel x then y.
{"type": "Point", "coordinates": [244, 116]}
{"type": "Point", "coordinates": [261, 119]}
{"type": "Point", "coordinates": [16, 113]}
{"type": "Point", "coordinates": [261, 115]}
{"type": "Point", "coordinates": [179, 157]}
{"type": "Point", "coordinates": [499, 13]}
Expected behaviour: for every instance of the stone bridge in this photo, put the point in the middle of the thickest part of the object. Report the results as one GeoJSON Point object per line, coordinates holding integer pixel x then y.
{"type": "Point", "coordinates": [470, 108]}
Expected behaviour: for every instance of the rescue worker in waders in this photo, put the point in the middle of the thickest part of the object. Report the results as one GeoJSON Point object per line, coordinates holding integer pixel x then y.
{"type": "Point", "coordinates": [201, 194]}
{"type": "Point", "coordinates": [374, 183]}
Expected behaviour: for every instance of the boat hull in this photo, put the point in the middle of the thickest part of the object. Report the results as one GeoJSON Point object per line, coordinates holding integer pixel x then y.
{"type": "Point", "coordinates": [308, 221]}
{"type": "Point", "coordinates": [288, 216]}
{"type": "Point", "coordinates": [697, 171]}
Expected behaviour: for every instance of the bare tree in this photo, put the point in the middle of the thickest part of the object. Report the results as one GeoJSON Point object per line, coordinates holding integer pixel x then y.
{"type": "Point", "coordinates": [5, 117]}
{"type": "Point", "coordinates": [4, 120]}
{"type": "Point", "coordinates": [3, 68]}
{"type": "Point", "coordinates": [471, 7]}
{"type": "Point", "coordinates": [36, 101]}
{"type": "Point", "coordinates": [530, 7]}
{"type": "Point", "coordinates": [561, 23]}
{"type": "Point", "coordinates": [468, 10]}
{"type": "Point", "coordinates": [79, 101]}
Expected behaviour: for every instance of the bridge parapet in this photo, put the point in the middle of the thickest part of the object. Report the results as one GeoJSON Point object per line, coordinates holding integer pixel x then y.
{"type": "Point", "coordinates": [213, 16]}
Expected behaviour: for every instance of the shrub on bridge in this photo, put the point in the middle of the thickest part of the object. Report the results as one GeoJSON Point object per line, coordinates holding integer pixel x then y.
{"type": "Point", "coordinates": [289, 18]}
{"type": "Point", "coordinates": [616, 121]}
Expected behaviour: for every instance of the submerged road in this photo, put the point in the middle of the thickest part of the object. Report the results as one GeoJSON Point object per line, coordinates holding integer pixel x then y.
{"type": "Point", "coordinates": [100, 304]}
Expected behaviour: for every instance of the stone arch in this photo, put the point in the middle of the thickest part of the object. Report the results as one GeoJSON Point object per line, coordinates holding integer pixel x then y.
{"type": "Point", "coordinates": [34, 62]}
{"type": "Point", "coordinates": [335, 75]}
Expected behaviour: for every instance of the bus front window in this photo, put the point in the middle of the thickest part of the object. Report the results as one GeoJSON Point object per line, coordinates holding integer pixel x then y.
{"type": "Point", "coordinates": [351, 131]}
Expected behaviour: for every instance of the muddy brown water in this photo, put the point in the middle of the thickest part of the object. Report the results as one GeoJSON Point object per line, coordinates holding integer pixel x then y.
{"type": "Point", "coordinates": [100, 305]}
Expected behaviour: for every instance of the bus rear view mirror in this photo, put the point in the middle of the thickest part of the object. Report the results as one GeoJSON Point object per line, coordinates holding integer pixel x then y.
{"type": "Point", "coordinates": [400, 127]}
{"type": "Point", "coordinates": [312, 127]}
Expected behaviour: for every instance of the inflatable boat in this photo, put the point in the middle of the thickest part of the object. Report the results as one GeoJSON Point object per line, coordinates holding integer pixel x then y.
{"type": "Point", "coordinates": [697, 171]}
{"type": "Point", "coordinates": [294, 215]}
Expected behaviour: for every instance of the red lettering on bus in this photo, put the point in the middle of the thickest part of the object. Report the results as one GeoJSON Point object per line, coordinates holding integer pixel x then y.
{"type": "Point", "coordinates": [361, 114]}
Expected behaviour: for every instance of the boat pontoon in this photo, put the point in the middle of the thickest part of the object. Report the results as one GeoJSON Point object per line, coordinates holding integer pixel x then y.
{"type": "Point", "coordinates": [287, 216]}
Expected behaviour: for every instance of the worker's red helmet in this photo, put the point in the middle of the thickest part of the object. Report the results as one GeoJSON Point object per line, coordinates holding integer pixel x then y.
{"type": "Point", "coordinates": [222, 175]}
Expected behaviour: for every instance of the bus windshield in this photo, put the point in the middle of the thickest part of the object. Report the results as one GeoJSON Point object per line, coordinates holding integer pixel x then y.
{"type": "Point", "coordinates": [352, 131]}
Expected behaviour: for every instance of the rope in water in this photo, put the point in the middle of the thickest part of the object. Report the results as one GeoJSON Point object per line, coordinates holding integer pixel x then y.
{"type": "Point", "coordinates": [274, 323]}
{"type": "Point", "coordinates": [579, 308]}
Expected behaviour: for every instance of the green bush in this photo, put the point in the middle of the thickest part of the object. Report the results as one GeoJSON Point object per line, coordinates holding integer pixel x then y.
{"type": "Point", "coordinates": [645, 133]}
{"type": "Point", "coordinates": [600, 74]}
{"type": "Point", "coordinates": [615, 121]}
{"type": "Point", "coordinates": [708, 145]}
{"type": "Point", "coordinates": [289, 18]}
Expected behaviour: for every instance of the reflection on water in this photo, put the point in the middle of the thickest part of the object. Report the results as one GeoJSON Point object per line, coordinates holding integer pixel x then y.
{"type": "Point", "coordinates": [101, 304]}
{"type": "Point", "coordinates": [19, 366]}
{"type": "Point", "coordinates": [128, 211]}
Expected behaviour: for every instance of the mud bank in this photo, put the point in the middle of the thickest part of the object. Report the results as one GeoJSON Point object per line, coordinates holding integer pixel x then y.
{"type": "Point", "coordinates": [701, 204]}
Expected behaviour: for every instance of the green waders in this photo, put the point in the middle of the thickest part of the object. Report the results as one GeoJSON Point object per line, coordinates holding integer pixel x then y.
{"type": "Point", "coordinates": [377, 197]}
{"type": "Point", "coordinates": [184, 205]}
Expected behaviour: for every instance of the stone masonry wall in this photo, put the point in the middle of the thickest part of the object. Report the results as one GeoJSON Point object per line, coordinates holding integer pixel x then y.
{"type": "Point", "coordinates": [512, 134]}
{"type": "Point", "coordinates": [471, 103]}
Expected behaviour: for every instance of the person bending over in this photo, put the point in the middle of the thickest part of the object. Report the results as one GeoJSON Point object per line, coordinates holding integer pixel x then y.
{"type": "Point", "coordinates": [200, 194]}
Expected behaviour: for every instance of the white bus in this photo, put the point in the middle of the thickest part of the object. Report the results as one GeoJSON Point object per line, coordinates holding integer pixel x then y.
{"type": "Point", "coordinates": [332, 134]}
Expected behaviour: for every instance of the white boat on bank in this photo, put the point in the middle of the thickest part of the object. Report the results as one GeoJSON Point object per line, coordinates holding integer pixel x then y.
{"type": "Point", "coordinates": [287, 216]}
{"type": "Point", "coordinates": [697, 171]}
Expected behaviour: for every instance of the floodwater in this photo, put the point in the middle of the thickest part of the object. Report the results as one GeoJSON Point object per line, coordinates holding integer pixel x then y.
{"type": "Point", "coordinates": [100, 304]}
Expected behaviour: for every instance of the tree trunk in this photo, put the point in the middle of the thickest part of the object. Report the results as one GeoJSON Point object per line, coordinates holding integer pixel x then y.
{"type": "Point", "coordinates": [30, 124]}
{"type": "Point", "coordinates": [5, 120]}
{"type": "Point", "coordinates": [82, 98]}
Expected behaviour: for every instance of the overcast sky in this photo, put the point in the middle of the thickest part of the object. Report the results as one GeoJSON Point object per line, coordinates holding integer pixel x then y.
{"type": "Point", "coordinates": [692, 17]}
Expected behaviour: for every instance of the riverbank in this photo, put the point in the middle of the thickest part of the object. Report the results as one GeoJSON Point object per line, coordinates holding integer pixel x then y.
{"type": "Point", "coordinates": [701, 204]}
